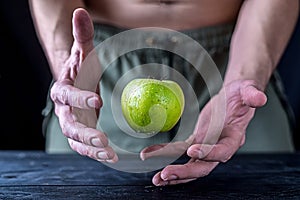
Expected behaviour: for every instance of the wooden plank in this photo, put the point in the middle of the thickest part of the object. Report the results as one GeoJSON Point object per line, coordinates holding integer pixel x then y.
{"type": "Point", "coordinates": [37, 168]}
{"type": "Point", "coordinates": [36, 175]}
{"type": "Point", "coordinates": [182, 192]}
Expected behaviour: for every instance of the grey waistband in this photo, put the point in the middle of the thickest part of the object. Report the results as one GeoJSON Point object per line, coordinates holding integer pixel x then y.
{"type": "Point", "coordinates": [212, 38]}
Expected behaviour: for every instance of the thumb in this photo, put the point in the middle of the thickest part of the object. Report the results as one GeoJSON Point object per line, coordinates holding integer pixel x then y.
{"type": "Point", "coordinates": [253, 97]}
{"type": "Point", "coordinates": [83, 31]}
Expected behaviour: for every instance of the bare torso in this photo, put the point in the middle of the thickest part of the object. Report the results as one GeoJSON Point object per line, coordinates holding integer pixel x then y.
{"type": "Point", "coordinates": [174, 14]}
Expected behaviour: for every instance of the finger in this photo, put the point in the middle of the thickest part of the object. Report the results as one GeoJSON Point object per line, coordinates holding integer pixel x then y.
{"type": "Point", "coordinates": [86, 74]}
{"type": "Point", "coordinates": [151, 151]}
{"type": "Point", "coordinates": [253, 97]}
{"type": "Point", "coordinates": [157, 181]}
{"type": "Point", "coordinates": [220, 152]}
{"type": "Point", "coordinates": [175, 149]}
{"type": "Point", "coordinates": [106, 154]}
{"type": "Point", "coordinates": [83, 31]}
{"type": "Point", "coordinates": [78, 131]}
{"type": "Point", "coordinates": [174, 174]}
{"type": "Point", "coordinates": [69, 95]}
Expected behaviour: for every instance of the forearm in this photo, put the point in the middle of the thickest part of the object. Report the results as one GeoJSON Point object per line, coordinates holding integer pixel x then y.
{"type": "Point", "coordinates": [52, 19]}
{"type": "Point", "coordinates": [261, 35]}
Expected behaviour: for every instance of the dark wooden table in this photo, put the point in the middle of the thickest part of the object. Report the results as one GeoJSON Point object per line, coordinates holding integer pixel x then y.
{"type": "Point", "coordinates": [36, 175]}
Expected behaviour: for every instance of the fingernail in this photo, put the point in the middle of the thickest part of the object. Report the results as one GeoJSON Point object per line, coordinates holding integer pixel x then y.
{"type": "Point", "coordinates": [200, 153]}
{"type": "Point", "coordinates": [102, 155]}
{"type": "Point", "coordinates": [143, 156]}
{"type": "Point", "coordinates": [96, 142]}
{"type": "Point", "coordinates": [93, 102]}
{"type": "Point", "coordinates": [111, 161]}
{"type": "Point", "coordinates": [170, 178]}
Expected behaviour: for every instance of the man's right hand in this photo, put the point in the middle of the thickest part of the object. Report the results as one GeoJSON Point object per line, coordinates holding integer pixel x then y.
{"type": "Point", "coordinates": [85, 140]}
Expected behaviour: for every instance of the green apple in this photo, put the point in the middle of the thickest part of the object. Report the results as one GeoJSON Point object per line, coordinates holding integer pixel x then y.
{"type": "Point", "coordinates": [151, 106]}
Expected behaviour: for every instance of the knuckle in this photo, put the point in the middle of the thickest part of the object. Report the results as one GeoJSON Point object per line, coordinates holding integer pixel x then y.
{"type": "Point", "coordinates": [57, 112]}
{"type": "Point", "coordinates": [64, 129]}
{"type": "Point", "coordinates": [80, 149]}
{"type": "Point", "coordinates": [76, 132]}
{"type": "Point", "coordinates": [73, 133]}
{"type": "Point", "coordinates": [75, 147]}
{"type": "Point", "coordinates": [63, 97]}
{"type": "Point", "coordinates": [85, 138]}
{"type": "Point", "coordinates": [72, 145]}
{"type": "Point", "coordinates": [70, 131]}
{"type": "Point", "coordinates": [85, 152]}
{"type": "Point", "coordinates": [84, 135]}
{"type": "Point", "coordinates": [53, 92]}
{"type": "Point", "coordinates": [79, 101]}
{"type": "Point", "coordinates": [90, 154]}
{"type": "Point", "coordinates": [60, 93]}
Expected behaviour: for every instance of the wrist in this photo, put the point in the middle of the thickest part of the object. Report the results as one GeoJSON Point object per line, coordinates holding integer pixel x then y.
{"type": "Point", "coordinates": [258, 72]}
{"type": "Point", "coordinates": [57, 60]}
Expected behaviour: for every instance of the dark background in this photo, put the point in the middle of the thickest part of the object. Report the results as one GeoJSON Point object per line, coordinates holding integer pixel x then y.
{"type": "Point", "coordinates": [289, 69]}
{"type": "Point", "coordinates": [25, 77]}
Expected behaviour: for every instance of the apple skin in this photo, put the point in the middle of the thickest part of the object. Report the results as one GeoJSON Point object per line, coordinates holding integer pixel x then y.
{"type": "Point", "coordinates": [151, 105]}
